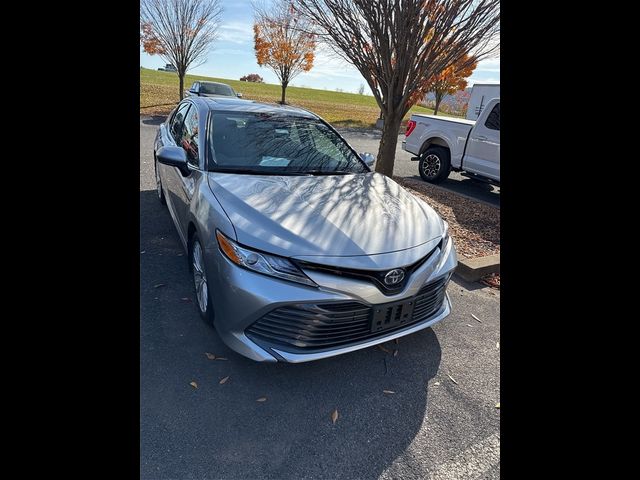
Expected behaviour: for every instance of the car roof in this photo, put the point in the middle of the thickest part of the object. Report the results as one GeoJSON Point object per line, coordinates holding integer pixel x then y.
{"type": "Point", "coordinates": [232, 104]}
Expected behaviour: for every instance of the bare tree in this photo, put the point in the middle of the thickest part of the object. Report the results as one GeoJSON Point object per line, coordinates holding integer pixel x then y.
{"type": "Point", "coordinates": [282, 41]}
{"type": "Point", "coordinates": [180, 31]}
{"type": "Point", "coordinates": [396, 44]}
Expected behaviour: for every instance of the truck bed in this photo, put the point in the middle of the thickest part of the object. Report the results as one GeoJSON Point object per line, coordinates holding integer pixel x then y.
{"type": "Point", "coordinates": [446, 119]}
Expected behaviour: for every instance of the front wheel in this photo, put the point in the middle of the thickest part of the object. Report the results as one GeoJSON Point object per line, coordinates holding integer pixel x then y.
{"type": "Point", "coordinates": [201, 282]}
{"type": "Point", "coordinates": [435, 164]}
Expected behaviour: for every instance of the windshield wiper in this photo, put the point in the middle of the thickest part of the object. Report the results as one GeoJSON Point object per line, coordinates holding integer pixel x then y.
{"type": "Point", "coordinates": [325, 172]}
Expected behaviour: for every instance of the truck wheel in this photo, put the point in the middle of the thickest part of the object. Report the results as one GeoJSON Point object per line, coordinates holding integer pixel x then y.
{"type": "Point", "coordinates": [435, 164]}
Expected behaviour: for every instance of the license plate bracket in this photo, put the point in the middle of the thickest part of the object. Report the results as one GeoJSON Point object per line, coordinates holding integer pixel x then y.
{"type": "Point", "coordinates": [392, 315]}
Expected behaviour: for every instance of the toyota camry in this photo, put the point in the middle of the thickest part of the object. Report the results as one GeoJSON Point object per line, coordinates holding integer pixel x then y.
{"type": "Point", "coordinates": [297, 249]}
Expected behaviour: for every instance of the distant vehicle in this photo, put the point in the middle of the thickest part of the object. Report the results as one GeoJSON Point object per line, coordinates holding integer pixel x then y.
{"type": "Point", "coordinates": [443, 144]}
{"type": "Point", "coordinates": [212, 89]}
{"type": "Point", "coordinates": [481, 95]}
{"type": "Point", "coordinates": [168, 68]}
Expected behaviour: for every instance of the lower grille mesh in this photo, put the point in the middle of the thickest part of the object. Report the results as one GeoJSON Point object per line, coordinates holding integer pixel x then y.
{"type": "Point", "coordinates": [322, 326]}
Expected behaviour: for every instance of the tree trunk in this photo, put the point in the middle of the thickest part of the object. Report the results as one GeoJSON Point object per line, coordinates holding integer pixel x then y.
{"type": "Point", "coordinates": [387, 150]}
{"type": "Point", "coordinates": [284, 91]}
{"type": "Point", "coordinates": [181, 76]}
{"type": "Point", "coordinates": [438, 100]}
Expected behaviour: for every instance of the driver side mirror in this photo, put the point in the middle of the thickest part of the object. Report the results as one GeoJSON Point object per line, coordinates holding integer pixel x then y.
{"type": "Point", "coordinates": [175, 157]}
{"type": "Point", "coordinates": [368, 158]}
{"type": "Point", "coordinates": [239, 95]}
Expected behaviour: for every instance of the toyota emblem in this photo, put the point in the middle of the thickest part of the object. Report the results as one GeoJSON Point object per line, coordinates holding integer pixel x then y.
{"type": "Point", "coordinates": [394, 277]}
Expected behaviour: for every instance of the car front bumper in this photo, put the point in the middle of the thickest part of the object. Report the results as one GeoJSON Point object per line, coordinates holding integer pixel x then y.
{"type": "Point", "coordinates": [242, 297]}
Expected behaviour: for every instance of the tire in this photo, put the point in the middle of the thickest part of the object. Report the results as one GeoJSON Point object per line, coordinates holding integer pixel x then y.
{"type": "Point", "coordinates": [159, 190]}
{"type": "Point", "coordinates": [200, 280]}
{"type": "Point", "coordinates": [435, 164]}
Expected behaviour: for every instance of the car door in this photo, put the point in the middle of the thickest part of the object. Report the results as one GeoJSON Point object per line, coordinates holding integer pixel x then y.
{"type": "Point", "coordinates": [483, 147]}
{"type": "Point", "coordinates": [185, 185]}
{"type": "Point", "coordinates": [171, 176]}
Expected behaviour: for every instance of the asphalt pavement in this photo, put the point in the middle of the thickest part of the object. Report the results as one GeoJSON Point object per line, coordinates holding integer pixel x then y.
{"type": "Point", "coordinates": [441, 422]}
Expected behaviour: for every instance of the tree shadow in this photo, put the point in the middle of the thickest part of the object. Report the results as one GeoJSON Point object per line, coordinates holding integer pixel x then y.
{"type": "Point", "coordinates": [221, 431]}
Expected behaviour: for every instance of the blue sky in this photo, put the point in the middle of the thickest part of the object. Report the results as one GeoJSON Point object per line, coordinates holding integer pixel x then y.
{"type": "Point", "coordinates": [232, 57]}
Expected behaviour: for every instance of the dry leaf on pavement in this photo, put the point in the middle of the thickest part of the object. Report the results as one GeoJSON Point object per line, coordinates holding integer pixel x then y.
{"type": "Point", "coordinates": [185, 299]}
{"type": "Point", "coordinates": [476, 318]}
{"type": "Point", "coordinates": [498, 405]}
{"type": "Point", "coordinates": [452, 379]}
{"type": "Point", "coordinates": [210, 356]}
{"type": "Point", "coordinates": [436, 383]}
{"type": "Point", "coordinates": [334, 416]}
{"type": "Point", "coordinates": [388, 391]}
{"type": "Point", "coordinates": [220, 358]}
{"type": "Point", "coordinates": [261, 399]}
{"type": "Point", "coordinates": [194, 384]}
{"type": "Point", "coordinates": [395, 353]}
{"type": "Point", "coordinates": [224, 380]}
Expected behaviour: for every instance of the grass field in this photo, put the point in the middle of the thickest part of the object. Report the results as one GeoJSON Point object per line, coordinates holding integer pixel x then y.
{"type": "Point", "coordinates": [159, 94]}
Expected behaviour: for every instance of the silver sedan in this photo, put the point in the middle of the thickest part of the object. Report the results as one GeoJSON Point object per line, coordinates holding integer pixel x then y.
{"type": "Point", "coordinates": [298, 250]}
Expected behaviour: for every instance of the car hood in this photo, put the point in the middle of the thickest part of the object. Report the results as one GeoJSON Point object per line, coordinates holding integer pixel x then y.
{"type": "Point", "coordinates": [334, 215]}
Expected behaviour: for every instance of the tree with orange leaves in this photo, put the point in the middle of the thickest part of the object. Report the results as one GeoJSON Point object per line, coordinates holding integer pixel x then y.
{"type": "Point", "coordinates": [282, 42]}
{"type": "Point", "coordinates": [451, 79]}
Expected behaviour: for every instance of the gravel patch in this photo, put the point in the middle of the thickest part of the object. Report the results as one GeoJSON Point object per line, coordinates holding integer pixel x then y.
{"type": "Point", "coordinates": [474, 226]}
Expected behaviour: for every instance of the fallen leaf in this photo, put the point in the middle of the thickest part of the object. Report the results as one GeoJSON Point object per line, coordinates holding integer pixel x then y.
{"type": "Point", "coordinates": [185, 299]}
{"type": "Point", "coordinates": [388, 391]}
{"type": "Point", "coordinates": [497, 345]}
{"type": "Point", "coordinates": [180, 254]}
{"type": "Point", "coordinates": [452, 379]}
{"type": "Point", "coordinates": [469, 325]}
{"type": "Point", "coordinates": [194, 384]}
{"type": "Point", "coordinates": [143, 251]}
{"type": "Point", "coordinates": [476, 318]}
{"type": "Point", "coordinates": [224, 380]}
{"type": "Point", "coordinates": [386, 350]}
{"type": "Point", "coordinates": [210, 356]}
{"type": "Point", "coordinates": [334, 416]}
{"type": "Point", "coordinates": [159, 285]}
{"type": "Point", "coordinates": [395, 353]}
{"type": "Point", "coordinates": [498, 405]}
{"type": "Point", "coordinates": [220, 358]}
{"type": "Point", "coordinates": [262, 399]}
{"type": "Point", "coordinates": [436, 383]}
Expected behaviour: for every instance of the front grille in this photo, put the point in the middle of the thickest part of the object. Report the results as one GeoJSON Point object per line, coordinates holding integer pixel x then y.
{"type": "Point", "coordinates": [374, 276]}
{"type": "Point", "coordinates": [309, 327]}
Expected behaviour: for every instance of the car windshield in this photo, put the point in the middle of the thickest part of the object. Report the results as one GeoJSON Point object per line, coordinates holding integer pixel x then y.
{"type": "Point", "coordinates": [216, 89]}
{"type": "Point", "coordinates": [277, 144]}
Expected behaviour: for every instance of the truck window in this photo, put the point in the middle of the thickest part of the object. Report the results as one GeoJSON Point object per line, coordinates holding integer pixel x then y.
{"type": "Point", "coordinates": [493, 119]}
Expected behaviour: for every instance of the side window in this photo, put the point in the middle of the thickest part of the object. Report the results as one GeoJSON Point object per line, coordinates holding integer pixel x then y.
{"type": "Point", "coordinates": [189, 140]}
{"type": "Point", "coordinates": [195, 86]}
{"type": "Point", "coordinates": [177, 121]}
{"type": "Point", "coordinates": [493, 119]}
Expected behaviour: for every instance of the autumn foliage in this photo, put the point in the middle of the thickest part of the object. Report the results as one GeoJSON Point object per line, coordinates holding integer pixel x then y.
{"type": "Point", "coordinates": [448, 82]}
{"type": "Point", "coordinates": [282, 43]}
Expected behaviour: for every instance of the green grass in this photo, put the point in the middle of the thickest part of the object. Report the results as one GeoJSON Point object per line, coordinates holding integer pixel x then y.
{"type": "Point", "coordinates": [159, 94]}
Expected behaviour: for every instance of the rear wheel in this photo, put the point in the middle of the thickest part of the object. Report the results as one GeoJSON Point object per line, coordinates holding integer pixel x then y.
{"type": "Point", "coordinates": [435, 164]}
{"type": "Point", "coordinates": [200, 281]}
{"type": "Point", "coordinates": [161, 197]}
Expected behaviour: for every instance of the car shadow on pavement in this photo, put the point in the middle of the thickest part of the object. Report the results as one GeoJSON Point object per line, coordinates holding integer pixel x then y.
{"type": "Point", "coordinates": [221, 431]}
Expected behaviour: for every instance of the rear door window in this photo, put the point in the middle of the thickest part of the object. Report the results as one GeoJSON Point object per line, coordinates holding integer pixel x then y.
{"type": "Point", "coordinates": [493, 119]}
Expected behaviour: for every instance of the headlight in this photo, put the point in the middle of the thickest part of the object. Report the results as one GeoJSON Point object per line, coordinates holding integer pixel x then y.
{"type": "Point", "coordinates": [264, 263]}
{"type": "Point", "coordinates": [445, 234]}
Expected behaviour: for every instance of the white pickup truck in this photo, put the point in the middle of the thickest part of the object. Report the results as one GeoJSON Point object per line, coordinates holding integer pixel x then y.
{"type": "Point", "coordinates": [442, 144]}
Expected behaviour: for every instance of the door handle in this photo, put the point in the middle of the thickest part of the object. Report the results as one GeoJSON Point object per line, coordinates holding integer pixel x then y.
{"type": "Point", "coordinates": [482, 138]}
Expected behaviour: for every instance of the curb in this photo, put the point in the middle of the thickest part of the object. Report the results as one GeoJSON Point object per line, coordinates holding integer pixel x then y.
{"type": "Point", "coordinates": [473, 269]}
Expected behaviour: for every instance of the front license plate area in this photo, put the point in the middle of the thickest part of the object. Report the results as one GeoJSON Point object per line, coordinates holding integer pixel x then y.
{"type": "Point", "coordinates": [392, 315]}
